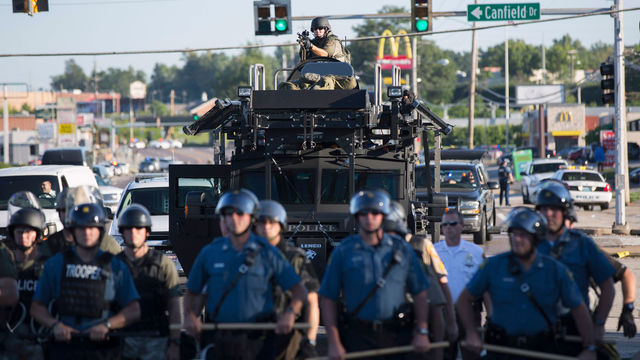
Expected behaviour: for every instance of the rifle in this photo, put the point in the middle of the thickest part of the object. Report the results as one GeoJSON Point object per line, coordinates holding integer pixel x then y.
{"type": "Point", "coordinates": [301, 41]}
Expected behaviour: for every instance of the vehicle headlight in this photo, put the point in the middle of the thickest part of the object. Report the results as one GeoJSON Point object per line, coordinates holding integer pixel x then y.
{"type": "Point", "coordinates": [469, 207]}
{"type": "Point", "coordinates": [111, 197]}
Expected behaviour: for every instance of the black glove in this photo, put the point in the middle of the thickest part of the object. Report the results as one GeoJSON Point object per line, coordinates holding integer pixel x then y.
{"type": "Point", "coordinates": [306, 349]}
{"type": "Point", "coordinates": [306, 44]}
{"type": "Point", "coordinates": [626, 322]}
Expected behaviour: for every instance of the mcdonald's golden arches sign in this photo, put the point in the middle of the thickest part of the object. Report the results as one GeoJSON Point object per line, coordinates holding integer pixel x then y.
{"type": "Point", "coordinates": [387, 61]}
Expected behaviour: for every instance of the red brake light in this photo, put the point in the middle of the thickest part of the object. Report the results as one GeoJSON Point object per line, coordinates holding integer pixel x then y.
{"type": "Point", "coordinates": [566, 185]}
{"type": "Point", "coordinates": [607, 187]}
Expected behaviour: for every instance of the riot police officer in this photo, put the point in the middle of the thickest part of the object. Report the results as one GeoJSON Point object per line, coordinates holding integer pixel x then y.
{"type": "Point", "coordinates": [87, 284]}
{"type": "Point", "coordinates": [440, 300]}
{"type": "Point", "coordinates": [271, 224]}
{"type": "Point", "coordinates": [63, 239]}
{"type": "Point", "coordinates": [8, 293]}
{"type": "Point", "coordinates": [524, 287]}
{"type": "Point", "coordinates": [25, 230]}
{"type": "Point", "coordinates": [156, 280]}
{"type": "Point", "coordinates": [372, 269]}
{"type": "Point", "coordinates": [324, 43]}
{"type": "Point", "coordinates": [577, 251]}
{"type": "Point", "coordinates": [239, 272]}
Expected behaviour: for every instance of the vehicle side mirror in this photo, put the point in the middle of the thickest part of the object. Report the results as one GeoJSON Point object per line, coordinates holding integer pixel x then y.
{"type": "Point", "coordinates": [50, 229]}
{"type": "Point", "coordinates": [108, 212]}
{"type": "Point", "coordinates": [493, 185]}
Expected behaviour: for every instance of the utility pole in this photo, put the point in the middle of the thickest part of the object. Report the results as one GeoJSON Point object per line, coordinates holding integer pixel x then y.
{"type": "Point", "coordinates": [621, 178]}
{"type": "Point", "coordinates": [544, 64]}
{"type": "Point", "coordinates": [506, 85]}
{"type": "Point", "coordinates": [414, 66]}
{"type": "Point", "coordinates": [5, 132]}
{"type": "Point", "coordinates": [472, 88]}
{"type": "Point", "coordinates": [572, 53]}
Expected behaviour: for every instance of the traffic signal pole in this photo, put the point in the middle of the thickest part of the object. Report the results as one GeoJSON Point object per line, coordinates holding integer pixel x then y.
{"type": "Point", "coordinates": [621, 178]}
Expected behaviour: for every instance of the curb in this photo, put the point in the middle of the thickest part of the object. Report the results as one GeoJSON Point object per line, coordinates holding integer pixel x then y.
{"type": "Point", "coordinates": [595, 231]}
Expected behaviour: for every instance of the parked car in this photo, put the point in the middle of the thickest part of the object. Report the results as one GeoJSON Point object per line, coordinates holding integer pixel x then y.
{"type": "Point", "coordinates": [150, 165]}
{"type": "Point", "coordinates": [137, 145]}
{"type": "Point", "coordinates": [587, 187]}
{"type": "Point", "coordinates": [102, 171]}
{"type": "Point", "coordinates": [467, 186]}
{"type": "Point", "coordinates": [160, 144]}
{"type": "Point", "coordinates": [535, 172]}
{"type": "Point", "coordinates": [633, 151]}
{"type": "Point", "coordinates": [564, 153]}
{"type": "Point", "coordinates": [165, 162]}
{"type": "Point", "coordinates": [175, 144]}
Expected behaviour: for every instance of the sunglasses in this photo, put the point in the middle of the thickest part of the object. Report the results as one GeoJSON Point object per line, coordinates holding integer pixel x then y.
{"type": "Point", "coordinates": [367, 212]}
{"type": "Point", "coordinates": [319, 28]}
{"type": "Point", "coordinates": [449, 223]}
{"type": "Point", "coordinates": [231, 211]}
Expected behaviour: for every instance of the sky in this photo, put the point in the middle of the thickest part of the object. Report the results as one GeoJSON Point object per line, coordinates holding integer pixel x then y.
{"type": "Point", "coordinates": [120, 25]}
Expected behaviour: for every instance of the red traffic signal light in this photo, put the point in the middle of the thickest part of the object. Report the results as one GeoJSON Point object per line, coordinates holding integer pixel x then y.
{"type": "Point", "coordinates": [608, 84]}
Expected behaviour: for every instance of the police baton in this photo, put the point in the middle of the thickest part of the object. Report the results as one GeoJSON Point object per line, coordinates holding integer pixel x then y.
{"type": "Point", "coordinates": [526, 353]}
{"type": "Point", "coordinates": [385, 351]}
{"type": "Point", "coordinates": [242, 326]}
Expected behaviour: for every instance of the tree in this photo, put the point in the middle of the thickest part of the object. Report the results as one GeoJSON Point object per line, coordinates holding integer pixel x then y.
{"type": "Point", "coordinates": [558, 60]}
{"type": "Point", "coordinates": [118, 80]}
{"type": "Point", "coordinates": [73, 77]}
{"type": "Point", "coordinates": [523, 58]}
{"type": "Point", "coordinates": [164, 79]}
{"type": "Point", "coordinates": [438, 77]}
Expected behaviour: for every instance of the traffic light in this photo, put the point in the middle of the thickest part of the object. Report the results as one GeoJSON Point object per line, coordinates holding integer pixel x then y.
{"type": "Point", "coordinates": [30, 6]}
{"type": "Point", "coordinates": [421, 16]}
{"type": "Point", "coordinates": [272, 17]}
{"type": "Point", "coordinates": [607, 83]}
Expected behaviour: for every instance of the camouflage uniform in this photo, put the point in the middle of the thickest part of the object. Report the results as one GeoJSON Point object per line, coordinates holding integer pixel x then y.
{"type": "Point", "coordinates": [332, 45]}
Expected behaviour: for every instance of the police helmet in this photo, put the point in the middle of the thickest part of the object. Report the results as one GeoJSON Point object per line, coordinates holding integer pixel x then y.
{"type": "Point", "coordinates": [136, 216]}
{"type": "Point", "coordinates": [396, 221]}
{"type": "Point", "coordinates": [320, 22]}
{"type": "Point", "coordinates": [523, 218]}
{"type": "Point", "coordinates": [370, 200]}
{"type": "Point", "coordinates": [30, 217]}
{"type": "Point", "coordinates": [273, 210]}
{"type": "Point", "coordinates": [554, 193]}
{"type": "Point", "coordinates": [86, 215]}
{"type": "Point", "coordinates": [241, 200]}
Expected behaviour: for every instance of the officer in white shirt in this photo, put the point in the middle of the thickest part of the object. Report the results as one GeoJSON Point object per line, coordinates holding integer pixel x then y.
{"type": "Point", "coordinates": [461, 259]}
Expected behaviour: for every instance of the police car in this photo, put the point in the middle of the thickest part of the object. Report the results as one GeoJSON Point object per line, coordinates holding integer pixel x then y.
{"type": "Point", "coordinates": [587, 186]}
{"type": "Point", "coordinates": [536, 171]}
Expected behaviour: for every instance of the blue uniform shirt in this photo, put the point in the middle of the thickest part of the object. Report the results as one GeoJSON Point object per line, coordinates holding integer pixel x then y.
{"type": "Point", "coordinates": [217, 265]}
{"type": "Point", "coordinates": [549, 281]}
{"type": "Point", "coordinates": [582, 257]}
{"type": "Point", "coordinates": [119, 288]}
{"type": "Point", "coordinates": [355, 267]}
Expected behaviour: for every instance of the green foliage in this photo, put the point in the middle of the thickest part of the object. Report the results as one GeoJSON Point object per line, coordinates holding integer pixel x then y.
{"type": "Point", "coordinates": [27, 108]}
{"type": "Point", "coordinates": [523, 58]}
{"type": "Point", "coordinates": [72, 78]}
{"type": "Point", "coordinates": [438, 80]}
{"type": "Point", "coordinates": [118, 80]}
{"type": "Point", "coordinates": [593, 136]}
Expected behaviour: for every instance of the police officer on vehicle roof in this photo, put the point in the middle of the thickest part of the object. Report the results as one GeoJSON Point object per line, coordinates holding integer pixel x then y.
{"type": "Point", "coordinates": [577, 251]}
{"type": "Point", "coordinates": [63, 239]}
{"type": "Point", "coordinates": [271, 224]}
{"type": "Point", "coordinates": [324, 43]}
{"type": "Point", "coordinates": [525, 287]}
{"type": "Point", "coordinates": [86, 284]}
{"type": "Point", "coordinates": [627, 283]}
{"type": "Point", "coordinates": [25, 230]}
{"type": "Point", "coordinates": [156, 280]}
{"type": "Point", "coordinates": [371, 270]}
{"type": "Point", "coordinates": [440, 300]}
{"type": "Point", "coordinates": [239, 272]}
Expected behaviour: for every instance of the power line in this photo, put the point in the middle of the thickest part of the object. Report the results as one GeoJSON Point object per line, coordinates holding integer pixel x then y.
{"type": "Point", "coordinates": [259, 46]}
{"type": "Point", "coordinates": [105, 2]}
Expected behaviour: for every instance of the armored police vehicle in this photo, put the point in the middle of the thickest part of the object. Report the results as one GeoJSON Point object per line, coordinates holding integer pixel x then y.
{"type": "Point", "coordinates": [310, 150]}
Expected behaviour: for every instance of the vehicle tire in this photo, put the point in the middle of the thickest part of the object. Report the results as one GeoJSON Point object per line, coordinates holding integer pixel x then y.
{"type": "Point", "coordinates": [494, 214]}
{"type": "Point", "coordinates": [525, 199]}
{"type": "Point", "coordinates": [604, 206]}
{"type": "Point", "coordinates": [480, 237]}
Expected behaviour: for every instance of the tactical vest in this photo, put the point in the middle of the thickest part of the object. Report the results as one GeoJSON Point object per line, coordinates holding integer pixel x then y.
{"type": "Point", "coordinates": [28, 279]}
{"type": "Point", "coordinates": [296, 258]}
{"type": "Point", "coordinates": [345, 55]}
{"type": "Point", "coordinates": [154, 295]}
{"type": "Point", "coordinates": [83, 286]}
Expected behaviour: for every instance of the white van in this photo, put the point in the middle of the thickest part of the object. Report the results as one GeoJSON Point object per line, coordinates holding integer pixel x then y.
{"type": "Point", "coordinates": [31, 178]}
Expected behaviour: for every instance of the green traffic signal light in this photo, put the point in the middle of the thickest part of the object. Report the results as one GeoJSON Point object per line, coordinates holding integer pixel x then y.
{"type": "Point", "coordinates": [281, 25]}
{"type": "Point", "coordinates": [195, 117]}
{"type": "Point", "coordinates": [422, 25]}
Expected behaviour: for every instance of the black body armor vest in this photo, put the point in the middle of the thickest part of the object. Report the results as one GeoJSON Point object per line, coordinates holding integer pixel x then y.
{"type": "Point", "coordinates": [83, 286]}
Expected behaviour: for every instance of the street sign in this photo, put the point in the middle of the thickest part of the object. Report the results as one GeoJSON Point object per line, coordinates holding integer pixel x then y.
{"type": "Point", "coordinates": [137, 90]}
{"type": "Point", "coordinates": [503, 12]}
{"type": "Point", "coordinates": [402, 61]}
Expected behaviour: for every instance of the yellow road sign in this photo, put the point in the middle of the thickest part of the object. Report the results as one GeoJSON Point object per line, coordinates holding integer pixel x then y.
{"type": "Point", "coordinates": [66, 129]}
